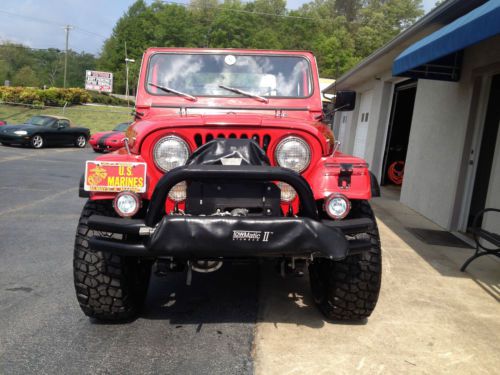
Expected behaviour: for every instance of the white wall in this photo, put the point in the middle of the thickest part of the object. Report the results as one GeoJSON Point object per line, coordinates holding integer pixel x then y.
{"type": "Point", "coordinates": [435, 157]}
{"type": "Point", "coordinates": [343, 123]}
{"type": "Point", "coordinates": [441, 118]}
{"type": "Point", "coordinates": [435, 149]}
{"type": "Point", "coordinates": [376, 96]}
{"type": "Point", "coordinates": [377, 128]}
{"type": "Point", "coordinates": [360, 139]}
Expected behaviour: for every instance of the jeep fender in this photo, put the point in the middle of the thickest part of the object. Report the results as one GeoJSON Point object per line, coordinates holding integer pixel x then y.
{"type": "Point", "coordinates": [342, 174]}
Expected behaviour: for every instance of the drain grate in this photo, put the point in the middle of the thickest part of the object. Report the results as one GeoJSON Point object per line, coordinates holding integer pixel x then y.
{"type": "Point", "coordinates": [438, 238]}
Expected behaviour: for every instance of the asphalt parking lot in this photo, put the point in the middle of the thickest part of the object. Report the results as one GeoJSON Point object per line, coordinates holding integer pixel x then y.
{"type": "Point", "coordinates": [430, 319]}
{"type": "Point", "coordinates": [207, 328]}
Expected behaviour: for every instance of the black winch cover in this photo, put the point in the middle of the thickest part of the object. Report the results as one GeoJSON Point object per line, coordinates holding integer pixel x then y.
{"type": "Point", "coordinates": [230, 151]}
{"type": "Point", "coordinates": [231, 236]}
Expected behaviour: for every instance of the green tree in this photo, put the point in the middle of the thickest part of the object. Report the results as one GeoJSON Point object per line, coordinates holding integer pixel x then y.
{"type": "Point", "coordinates": [46, 65]}
{"type": "Point", "coordinates": [339, 32]}
{"type": "Point", "coordinates": [382, 20]}
{"type": "Point", "coordinates": [5, 71]}
{"type": "Point", "coordinates": [25, 77]}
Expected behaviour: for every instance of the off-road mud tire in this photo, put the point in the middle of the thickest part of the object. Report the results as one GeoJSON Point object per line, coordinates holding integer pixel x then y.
{"type": "Point", "coordinates": [108, 287]}
{"type": "Point", "coordinates": [348, 290]}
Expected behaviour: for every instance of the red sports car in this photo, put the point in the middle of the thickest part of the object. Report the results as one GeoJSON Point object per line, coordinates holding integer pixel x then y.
{"type": "Point", "coordinates": [110, 140]}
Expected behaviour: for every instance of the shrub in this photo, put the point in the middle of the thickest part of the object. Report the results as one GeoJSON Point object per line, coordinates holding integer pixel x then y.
{"type": "Point", "coordinates": [52, 96]}
{"type": "Point", "coordinates": [105, 98]}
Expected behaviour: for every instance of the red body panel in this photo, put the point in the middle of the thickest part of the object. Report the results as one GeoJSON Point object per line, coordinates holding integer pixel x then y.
{"type": "Point", "coordinates": [240, 117]}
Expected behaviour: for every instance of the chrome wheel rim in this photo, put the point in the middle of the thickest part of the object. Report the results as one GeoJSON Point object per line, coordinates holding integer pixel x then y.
{"type": "Point", "coordinates": [37, 141]}
{"type": "Point", "coordinates": [80, 141]}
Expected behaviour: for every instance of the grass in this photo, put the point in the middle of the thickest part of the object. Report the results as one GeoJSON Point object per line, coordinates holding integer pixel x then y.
{"type": "Point", "coordinates": [96, 118]}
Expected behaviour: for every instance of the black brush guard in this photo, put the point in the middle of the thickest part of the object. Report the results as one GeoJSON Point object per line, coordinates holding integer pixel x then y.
{"type": "Point", "coordinates": [203, 237]}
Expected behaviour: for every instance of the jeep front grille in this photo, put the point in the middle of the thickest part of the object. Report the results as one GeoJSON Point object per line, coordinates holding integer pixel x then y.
{"type": "Point", "coordinates": [262, 140]}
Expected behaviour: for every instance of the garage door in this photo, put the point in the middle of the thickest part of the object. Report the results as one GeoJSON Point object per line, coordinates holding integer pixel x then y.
{"type": "Point", "coordinates": [362, 125]}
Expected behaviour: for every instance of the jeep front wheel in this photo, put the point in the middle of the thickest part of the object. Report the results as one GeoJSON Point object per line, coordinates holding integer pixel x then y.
{"type": "Point", "coordinates": [108, 287]}
{"type": "Point", "coordinates": [349, 289]}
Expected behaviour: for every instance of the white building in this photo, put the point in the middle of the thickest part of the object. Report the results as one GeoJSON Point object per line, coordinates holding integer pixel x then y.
{"type": "Point", "coordinates": [431, 97]}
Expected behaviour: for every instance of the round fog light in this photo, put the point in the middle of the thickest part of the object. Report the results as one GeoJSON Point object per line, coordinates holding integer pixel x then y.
{"type": "Point", "coordinates": [178, 192]}
{"type": "Point", "coordinates": [126, 204]}
{"type": "Point", "coordinates": [288, 193]}
{"type": "Point", "coordinates": [337, 206]}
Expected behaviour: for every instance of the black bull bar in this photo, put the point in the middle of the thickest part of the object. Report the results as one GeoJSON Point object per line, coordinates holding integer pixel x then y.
{"type": "Point", "coordinates": [187, 236]}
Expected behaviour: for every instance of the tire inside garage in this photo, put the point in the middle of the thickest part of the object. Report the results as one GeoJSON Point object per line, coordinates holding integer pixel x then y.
{"type": "Point", "coordinates": [398, 133]}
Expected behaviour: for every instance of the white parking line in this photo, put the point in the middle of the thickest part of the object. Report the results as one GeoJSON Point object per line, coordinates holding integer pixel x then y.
{"type": "Point", "coordinates": [12, 158]}
{"type": "Point", "coordinates": [32, 154]}
{"type": "Point", "coordinates": [33, 204]}
{"type": "Point", "coordinates": [18, 188]}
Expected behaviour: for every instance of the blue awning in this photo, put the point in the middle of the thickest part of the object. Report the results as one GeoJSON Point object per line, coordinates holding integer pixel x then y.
{"type": "Point", "coordinates": [446, 43]}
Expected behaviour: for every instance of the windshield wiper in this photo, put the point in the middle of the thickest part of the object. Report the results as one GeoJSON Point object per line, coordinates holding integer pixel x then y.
{"type": "Point", "coordinates": [172, 91]}
{"type": "Point", "coordinates": [246, 93]}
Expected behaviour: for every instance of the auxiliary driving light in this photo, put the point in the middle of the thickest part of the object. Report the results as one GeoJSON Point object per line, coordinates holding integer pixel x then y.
{"type": "Point", "coordinates": [288, 193]}
{"type": "Point", "coordinates": [337, 206]}
{"type": "Point", "coordinates": [126, 204]}
{"type": "Point", "coordinates": [178, 192]}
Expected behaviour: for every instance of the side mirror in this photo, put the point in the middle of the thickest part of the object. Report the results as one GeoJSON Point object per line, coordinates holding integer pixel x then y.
{"type": "Point", "coordinates": [60, 126]}
{"type": "Point", "coordinates": [345, 100]}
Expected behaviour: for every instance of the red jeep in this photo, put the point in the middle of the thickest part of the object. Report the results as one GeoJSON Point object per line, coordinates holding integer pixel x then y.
{"type": "Point", "coordinates": [228, 158]}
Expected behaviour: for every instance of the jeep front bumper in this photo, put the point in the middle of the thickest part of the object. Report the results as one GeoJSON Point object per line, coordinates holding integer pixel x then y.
{"type": "Point", "coordinates": [203, 237]}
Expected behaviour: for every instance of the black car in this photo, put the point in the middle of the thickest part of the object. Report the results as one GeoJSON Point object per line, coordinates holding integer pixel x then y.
{"type": "Point", "coordinates": [40, 131]}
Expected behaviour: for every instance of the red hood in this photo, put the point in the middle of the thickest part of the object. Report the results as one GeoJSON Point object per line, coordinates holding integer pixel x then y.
{"type": "Point", "coordinates": [142, 128]}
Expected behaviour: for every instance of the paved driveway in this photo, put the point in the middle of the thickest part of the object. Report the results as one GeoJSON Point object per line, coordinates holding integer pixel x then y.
{"type": "Point", "coordinates": [207, 328]}
{"type": "Point", "coordinates": [430, 318]}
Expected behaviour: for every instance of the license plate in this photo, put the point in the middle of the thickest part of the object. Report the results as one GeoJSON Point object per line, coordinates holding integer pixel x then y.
{"type": "Point", "coordinates": [108, 176]}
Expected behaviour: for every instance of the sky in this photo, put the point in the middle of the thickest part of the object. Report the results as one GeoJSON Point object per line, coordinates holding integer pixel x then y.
{"type": "Point", "coordinates": [39, 23]}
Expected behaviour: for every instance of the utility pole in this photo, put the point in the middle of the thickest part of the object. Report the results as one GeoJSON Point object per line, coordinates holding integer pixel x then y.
{"type": "Point", "coordinates": [67, 28]}
{"type": "Point", "coordinates": [127, 61]}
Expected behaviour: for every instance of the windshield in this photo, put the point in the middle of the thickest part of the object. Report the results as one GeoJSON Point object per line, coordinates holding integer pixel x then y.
{"type": "Point", "coordinates": [40, 120]}
{"type": "Point", "coordinates": [121, 127]}
{"type": "Point", "coordinates": [204, 74]}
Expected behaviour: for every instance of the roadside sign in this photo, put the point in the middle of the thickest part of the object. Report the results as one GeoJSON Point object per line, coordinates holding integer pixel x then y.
{"type": "Point", "coordinates": [98, 81]}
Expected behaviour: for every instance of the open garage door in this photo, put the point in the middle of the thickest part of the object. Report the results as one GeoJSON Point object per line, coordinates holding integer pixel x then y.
{"type": "Point", "coordinates": [484, 157]}
{"type": "Point", "coordinates": [362, 125]}
{"type": "Point", "coordinates": [398, 133]}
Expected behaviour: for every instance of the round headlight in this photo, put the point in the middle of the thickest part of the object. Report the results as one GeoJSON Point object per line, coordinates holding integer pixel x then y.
{"type": "Point", "coordinates": [170, 152]}
{"type": "Point", "coordinates": [293, 153]}
{"type": "Point", "coordinates": [337, 206]}
{"type": "Point", "coordinates": [126, 204]}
